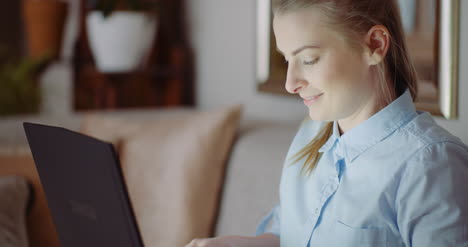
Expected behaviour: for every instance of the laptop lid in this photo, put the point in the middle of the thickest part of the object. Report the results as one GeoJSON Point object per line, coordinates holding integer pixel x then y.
{"type": "Point", "coordinates": [84, 188]}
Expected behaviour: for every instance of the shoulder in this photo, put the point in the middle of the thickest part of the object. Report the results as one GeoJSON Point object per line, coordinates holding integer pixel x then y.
{"type": "Point", "coordinates": [420, 143]}
{"type": "Point", "coordinates": [437, 163]}
{"type": "Point", "coordinates": [426, 132]}
{"type": "Point", "coordinates": [433, 148]}
{"type": "Point", "coordinates": [447, 154]}
{"type": "Point", "coordinates": [423, 138]}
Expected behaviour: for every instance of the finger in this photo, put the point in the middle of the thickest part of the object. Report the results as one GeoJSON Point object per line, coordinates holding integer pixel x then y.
{"type": "Point", "coordinates": [192, 243]}
{"type": "Point", "coordinates": [198, 242]}
{"type": "Point", "coordinates": [202, 242]}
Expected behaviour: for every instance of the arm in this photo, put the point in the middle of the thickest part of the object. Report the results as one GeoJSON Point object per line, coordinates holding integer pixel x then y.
{"type": "Point", "coordinates": [431, 202]}
{"type": "Point", "coordinates": [264, 240]}
{"type": "Point", "coordinates": [263, 236]}
{"type": "Point", "coordinates": [267, 239]}
{"type": "Point", "coordinates": [272, 219]}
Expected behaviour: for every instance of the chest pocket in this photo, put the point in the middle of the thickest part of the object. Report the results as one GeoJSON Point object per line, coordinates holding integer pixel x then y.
{"type": "Point", "coordinates": [345, 235]}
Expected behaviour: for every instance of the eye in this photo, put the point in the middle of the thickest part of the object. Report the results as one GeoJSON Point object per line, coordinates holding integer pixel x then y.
{"type": "Point", "coordinates": [310, 62]}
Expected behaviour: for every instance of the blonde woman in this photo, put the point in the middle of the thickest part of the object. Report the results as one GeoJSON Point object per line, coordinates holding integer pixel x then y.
{"type": "Point", "coordinates": [365, 168]}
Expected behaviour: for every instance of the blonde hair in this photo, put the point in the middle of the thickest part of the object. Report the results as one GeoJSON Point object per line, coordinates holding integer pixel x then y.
{"type": "Point", "coordinates": [352, 19]}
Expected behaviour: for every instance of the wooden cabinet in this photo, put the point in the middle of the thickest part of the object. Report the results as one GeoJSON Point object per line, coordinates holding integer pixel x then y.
{"type": "Point", "coordinates": [164, 80]}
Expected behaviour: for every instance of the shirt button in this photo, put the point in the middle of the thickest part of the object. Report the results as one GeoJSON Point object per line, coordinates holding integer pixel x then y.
{"type": "Point", "coordinates": [316, 210]}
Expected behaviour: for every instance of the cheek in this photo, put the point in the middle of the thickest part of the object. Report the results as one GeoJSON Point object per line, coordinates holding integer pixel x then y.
{"type": "Point", "coordinates": [330, 74]}
{"type": "Point", "coordinates": [341, 74]}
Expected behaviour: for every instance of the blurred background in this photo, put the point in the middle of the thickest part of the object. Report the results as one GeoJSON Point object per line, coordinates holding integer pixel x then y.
{"type": "Point", "coordinates": [63, 59]}
{"type": "Point", "coordinates": [203, 56]}
{"type": "Point", "coordinates": [206, 53]}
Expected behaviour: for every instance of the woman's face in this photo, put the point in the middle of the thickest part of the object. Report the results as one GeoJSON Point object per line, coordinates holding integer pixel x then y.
{"type": "Point", "coordinates": [323, 67]}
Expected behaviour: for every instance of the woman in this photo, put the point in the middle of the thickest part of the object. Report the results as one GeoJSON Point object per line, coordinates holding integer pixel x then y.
{"type": "Point", "coordinates": [366, 169]}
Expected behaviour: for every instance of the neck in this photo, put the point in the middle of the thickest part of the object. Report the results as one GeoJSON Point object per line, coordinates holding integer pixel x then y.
{"type": "Point", "coordinates": [360, 115]}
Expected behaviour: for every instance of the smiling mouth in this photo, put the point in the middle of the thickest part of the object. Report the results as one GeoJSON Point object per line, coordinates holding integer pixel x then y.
{"type": "Point", "coordinates": [311, 100]}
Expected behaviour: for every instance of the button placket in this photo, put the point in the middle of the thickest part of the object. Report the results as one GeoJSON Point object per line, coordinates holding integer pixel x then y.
{"type": "Point", "coordinates": [328, 189]}
{"type": "Point", "coordinates": [327, 192]}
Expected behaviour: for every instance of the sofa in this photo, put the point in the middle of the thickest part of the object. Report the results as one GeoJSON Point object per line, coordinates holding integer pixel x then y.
{"type": "Point", "coordinates": [242, 192]}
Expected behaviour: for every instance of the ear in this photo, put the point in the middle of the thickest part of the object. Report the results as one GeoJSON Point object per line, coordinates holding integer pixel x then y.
{"type": "Point", "coordinates": [376, 44]}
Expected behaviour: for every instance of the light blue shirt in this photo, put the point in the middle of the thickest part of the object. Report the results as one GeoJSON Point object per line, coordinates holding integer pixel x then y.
{"type": "Point", "coordinates": [396, 179]}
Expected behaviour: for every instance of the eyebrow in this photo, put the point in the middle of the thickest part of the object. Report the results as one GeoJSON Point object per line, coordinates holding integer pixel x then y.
{"type": "Point", "coordinates": [295, 52]}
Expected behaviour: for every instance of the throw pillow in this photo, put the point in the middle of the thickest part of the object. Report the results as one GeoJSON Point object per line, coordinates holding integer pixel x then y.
{"type": "Point", "coordinates": [174, 171]}
{"type": "Point", "coordinates": [41, 228]}
{"type": "Point", "coordinates": [15, 194]}
{"type": "Point", "coordinates": [114, 126]}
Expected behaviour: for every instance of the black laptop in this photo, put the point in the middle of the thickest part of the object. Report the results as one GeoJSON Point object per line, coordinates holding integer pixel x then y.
{"type": "Point", "coordinates": [84, 188]}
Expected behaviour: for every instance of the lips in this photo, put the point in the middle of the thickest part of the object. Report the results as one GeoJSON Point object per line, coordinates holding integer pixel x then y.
{"type": "Point", "coordinates": [311, 99]}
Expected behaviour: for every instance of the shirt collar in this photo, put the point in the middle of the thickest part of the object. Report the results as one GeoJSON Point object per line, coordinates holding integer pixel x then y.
{"type": "Point", "coordinates": [357, 140]}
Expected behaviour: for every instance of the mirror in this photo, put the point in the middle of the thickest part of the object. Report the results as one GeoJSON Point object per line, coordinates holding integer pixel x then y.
{"type": "Point", "coordinates": [431, 28]}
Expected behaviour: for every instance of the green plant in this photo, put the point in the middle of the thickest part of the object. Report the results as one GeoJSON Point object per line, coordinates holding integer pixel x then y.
{"type": "Point", "coordinates": [108, 6]}
{"type": "Point", "coordinates": [19, 92]}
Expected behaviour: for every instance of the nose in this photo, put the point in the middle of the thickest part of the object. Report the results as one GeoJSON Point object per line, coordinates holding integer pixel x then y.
{"type": "Point", "coordinates": [294, 81]}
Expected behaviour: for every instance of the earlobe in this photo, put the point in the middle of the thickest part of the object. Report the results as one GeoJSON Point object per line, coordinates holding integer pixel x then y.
{"type": "Point", "coordinates": [377, 40]}
{"type": "Point", "coordinates": [375, 58]}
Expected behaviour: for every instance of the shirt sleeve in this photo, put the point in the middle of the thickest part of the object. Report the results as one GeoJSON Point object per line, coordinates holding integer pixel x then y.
{"type": "Point", "coordinates": [270, 223]}
{"type": "Point", "coordinates": [431, 201]}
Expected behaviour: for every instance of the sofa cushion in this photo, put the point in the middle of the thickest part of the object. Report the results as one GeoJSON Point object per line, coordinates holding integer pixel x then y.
{"type": "Point", "coordinates": [114, 126]}
{"type": "Point", "coordinates": [251, 186]}
{"type": "Point", "coordinates": [15, 195]}
{"type": "Point", "coordinates": [41, 229]}
{"type": "Point", "coordinates": [174, 169]}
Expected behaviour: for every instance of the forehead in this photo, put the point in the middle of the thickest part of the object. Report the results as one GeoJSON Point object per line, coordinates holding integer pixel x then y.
{"type": "Point", "coordinates": [301, 27]}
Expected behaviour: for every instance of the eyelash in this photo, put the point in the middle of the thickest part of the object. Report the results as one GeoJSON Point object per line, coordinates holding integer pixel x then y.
{"type": "Point", "coordinates": [311, 62]}
{"type": "Point", "coordinates": [306, 62]}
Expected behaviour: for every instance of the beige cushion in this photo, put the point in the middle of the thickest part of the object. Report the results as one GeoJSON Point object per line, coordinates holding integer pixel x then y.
{"type": "Point", "coordinates": [114, 126]}
{"type": "Point", "coordinates": [174, 169]}
{"type": "Point", "coordinates": [14, 193]}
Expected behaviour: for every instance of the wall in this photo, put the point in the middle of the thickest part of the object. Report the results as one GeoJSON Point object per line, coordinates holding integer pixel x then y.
{"type": "Point", "coordinates": [223, 34]}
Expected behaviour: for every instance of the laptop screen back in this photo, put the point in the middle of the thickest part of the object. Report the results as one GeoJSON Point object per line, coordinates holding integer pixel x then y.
{"type": "Point", "coordinates": [84, 188]}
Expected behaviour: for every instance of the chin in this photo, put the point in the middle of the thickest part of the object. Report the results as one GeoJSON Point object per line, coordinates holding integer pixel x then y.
{"type": "Point", "coordinates": [319, 116]}
{"type": "Point", "coordinates": [316, 117]}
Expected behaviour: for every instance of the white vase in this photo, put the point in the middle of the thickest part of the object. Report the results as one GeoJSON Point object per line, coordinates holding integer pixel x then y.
{"type": "Point", "coordinates": [408, 14]}
{"type": "Point", "coordinates": [122, 41]}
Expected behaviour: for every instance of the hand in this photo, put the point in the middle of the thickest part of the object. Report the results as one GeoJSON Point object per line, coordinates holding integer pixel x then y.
{"type": "Point", "coordinates": [225, 241]}
{"type": "Point", "coordinates": [266, 239]}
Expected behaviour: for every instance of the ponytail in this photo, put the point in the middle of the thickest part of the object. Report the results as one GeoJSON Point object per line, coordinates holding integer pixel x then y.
{"type": "Point", "coordinates": [311, 150]}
